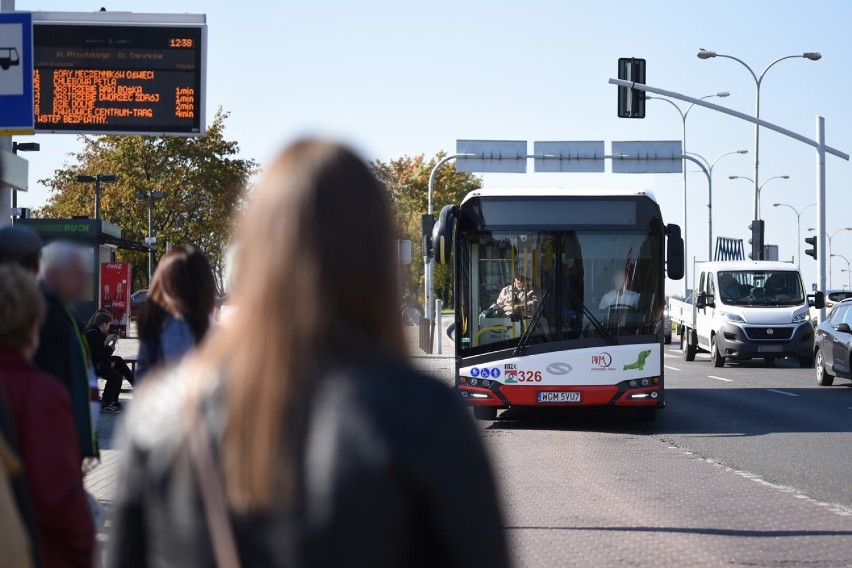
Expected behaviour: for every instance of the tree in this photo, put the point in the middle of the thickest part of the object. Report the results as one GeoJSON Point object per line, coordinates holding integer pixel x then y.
{"type": "Point", "coordinates": [202, 177]}
{"type": "Point", "coordinates": [407, 183]}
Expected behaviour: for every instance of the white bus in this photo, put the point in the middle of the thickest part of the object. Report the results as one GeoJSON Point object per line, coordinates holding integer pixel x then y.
{"type": "Point", "coordinates": [559, 297]}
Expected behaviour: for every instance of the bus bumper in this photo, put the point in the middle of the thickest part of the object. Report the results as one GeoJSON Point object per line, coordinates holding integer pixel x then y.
{"type": "Point", "coordinates": [627, 393]}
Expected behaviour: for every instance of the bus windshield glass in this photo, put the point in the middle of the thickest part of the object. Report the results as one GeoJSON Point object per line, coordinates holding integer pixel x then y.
{"type": "Point", "coordinates": [597, 284]}
{"type": "Point", "coordinates": [761, 288]}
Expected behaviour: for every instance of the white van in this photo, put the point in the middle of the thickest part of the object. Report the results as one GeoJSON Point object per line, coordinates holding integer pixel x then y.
{"type": "Point", "coordinates": [750, 309]}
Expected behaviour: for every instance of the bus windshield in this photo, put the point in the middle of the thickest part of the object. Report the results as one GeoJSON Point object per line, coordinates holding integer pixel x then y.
{"type": "Point", "coordinates": [761, 288]}
{"type": "Point", "coordinates": [593, 284]}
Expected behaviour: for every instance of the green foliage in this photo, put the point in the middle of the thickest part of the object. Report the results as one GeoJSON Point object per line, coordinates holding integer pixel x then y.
{"type": "Point", "coordinates": [407, 183]}
{"type": "Point", "coordinates": [203, 178]}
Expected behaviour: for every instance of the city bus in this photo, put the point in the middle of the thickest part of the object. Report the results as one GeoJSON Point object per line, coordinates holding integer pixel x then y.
{"type": "Point", "coordinates": [559, 297]}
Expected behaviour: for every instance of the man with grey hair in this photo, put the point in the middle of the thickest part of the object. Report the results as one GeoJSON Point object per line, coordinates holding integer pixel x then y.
{"type": "Point", "coordinates": [20, 245]}
{"type": "Point", "coordinates": [62, 351]}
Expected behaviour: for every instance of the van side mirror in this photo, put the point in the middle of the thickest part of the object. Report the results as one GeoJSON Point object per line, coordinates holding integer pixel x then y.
{"type": "Point", "coordinates": [442, 234]}
{"type": "Point", "coordinates": [701, 300]}
{"type": "Point", "coordinates": [817, 300]}
{"type": "Point", "coordinates": [674, 252]}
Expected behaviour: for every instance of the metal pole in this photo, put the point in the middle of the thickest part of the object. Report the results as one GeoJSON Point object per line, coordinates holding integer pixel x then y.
{"type": "Point", "coordinates": [5, 146]}
{"type": "Point", "coordinates": [97, 197]}
{"type": "Point", "coordinates": [14, 191]}
{"type": "Point", "coordinates": [799, 238]}
{"type": "Point", "coordinates": [150, 235]}
{"type": "Point", "coordinates": [757, 165]}
{"type": "Point", "coordinates": [685, 240]}
{"type": "Point", "coordinates": [439, 308]}
{"type": "Point", "coordinates": [820, 200]}
{"type": "Point", "coordinates": [710, 216]}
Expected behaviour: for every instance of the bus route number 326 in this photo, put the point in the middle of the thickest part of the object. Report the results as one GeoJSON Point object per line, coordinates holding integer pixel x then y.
{"type": "Point", "coordinates": [529, 376]}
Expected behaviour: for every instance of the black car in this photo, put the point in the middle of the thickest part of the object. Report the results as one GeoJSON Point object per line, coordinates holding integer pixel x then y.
{"type": "Point", "coordinates": [833, 349]}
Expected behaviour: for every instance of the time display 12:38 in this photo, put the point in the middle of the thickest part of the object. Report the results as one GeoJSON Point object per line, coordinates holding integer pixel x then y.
{"type": "Point", "coordinates": [180, 42]}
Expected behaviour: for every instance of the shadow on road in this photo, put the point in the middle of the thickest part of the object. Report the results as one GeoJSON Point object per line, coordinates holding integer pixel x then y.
{"type": "Point", "coordinates": [690, 530]}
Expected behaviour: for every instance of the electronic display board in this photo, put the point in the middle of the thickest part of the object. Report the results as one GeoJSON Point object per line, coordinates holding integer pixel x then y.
{"type": "Point", "coordinates": [119, 78]}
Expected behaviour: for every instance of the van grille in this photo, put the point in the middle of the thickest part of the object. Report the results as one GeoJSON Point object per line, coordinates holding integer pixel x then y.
{"type": "Point", "coordinates": [769, 332]}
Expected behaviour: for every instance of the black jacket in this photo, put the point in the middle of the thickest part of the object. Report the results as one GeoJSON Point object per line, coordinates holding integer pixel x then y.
{"type": "Point", "coordinates": [54, 346]}
{"type": "Point", "coordinates": [393, 474]}
{"type": "Point", "coordinates": [99, 351]}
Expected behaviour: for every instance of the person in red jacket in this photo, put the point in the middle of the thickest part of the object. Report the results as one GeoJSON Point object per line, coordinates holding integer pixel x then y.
{"type": "Point", "coordinates": [41, 411]}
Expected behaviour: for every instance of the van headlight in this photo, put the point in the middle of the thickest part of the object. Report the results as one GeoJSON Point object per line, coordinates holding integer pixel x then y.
{"type": "Point", "coordinates": [798, 318]}
{"type": "Point", "coordinates": [732, 317]}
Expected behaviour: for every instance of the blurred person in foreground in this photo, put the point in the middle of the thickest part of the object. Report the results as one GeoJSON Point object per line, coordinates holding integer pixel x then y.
{"type": "Point", "coordinates": [62, 350]}
{"type": "Point", "coordinates": [112, 368]}
{"type": "Point", "coordinates": [328, 449]}
{"type": "Point", "coordinates": [20, 245]}
{"type": "Point", "coordinates": [176, 316]}
{"type": "Point", "coordinates": [46, 437]}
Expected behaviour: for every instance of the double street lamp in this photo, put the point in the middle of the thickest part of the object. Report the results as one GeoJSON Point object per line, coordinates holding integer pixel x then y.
{"type": "Point", "coordinates": [683, 116]}
{"type": "Point", "coordinates": [758, 81]}
{"type": "Point", "coordinates": [151, 240]}
{"type": "Point", "coordinates": [710, 166]}
{"type": "Point", "coordinates": [97, 180]}
{"type": "Point", "coordinates": [830, 238]}
{"type": "Point", "coordinates": [847, 270]}
{"type": "Point", "coordinates": [759, 189]}
{"type": "Point", "coordinates": [798, 228]}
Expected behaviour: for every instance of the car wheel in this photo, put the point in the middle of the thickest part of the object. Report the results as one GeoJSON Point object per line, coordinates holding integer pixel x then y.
{"type": "Point", "coordinates": [689, 350]}
{"type": "Point", "coordinates": [668, 339]}
{"type": "Point", "coordinates": [717, 358]}
{"type": "Point", "coordinates": [485, 412]}
{"type": "Point", "coordinates": [824, 378]}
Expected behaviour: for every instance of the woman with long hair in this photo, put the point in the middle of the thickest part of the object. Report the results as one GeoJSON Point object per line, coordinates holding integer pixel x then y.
{"type": "Point", "coordinates": [299, 435]}
{"type": "Point", "coordinates": [176, 316]}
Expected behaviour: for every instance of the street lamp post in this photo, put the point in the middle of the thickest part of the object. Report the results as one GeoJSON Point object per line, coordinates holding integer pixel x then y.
{"type": "Point", "coordinates": [22, 147]}
{"type": "Point", "coordinates": [798, 228]}
{"type": "Point", "coordinates": [758, 81]}
{"type": "Point", "coordinates": [97, 180]}
{"type": "Point", "coordinates": [848, 277]}
{"type": "Point", "coordinates": [683, 116]}
{"type": "Point", "coordinates": [847, 270]}
{"type": "Point", "coordinates": [151, 240]}
{"type": "Point", "coordinates": [830, 238]}
{"type": "Point", "coordinates": [710, 166]}
{"type": "Point", "coordinates": [759, 189]}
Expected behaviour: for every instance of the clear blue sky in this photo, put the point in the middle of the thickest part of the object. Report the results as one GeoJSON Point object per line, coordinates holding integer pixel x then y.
{"type": "Point", "coordinates": [397, 77]}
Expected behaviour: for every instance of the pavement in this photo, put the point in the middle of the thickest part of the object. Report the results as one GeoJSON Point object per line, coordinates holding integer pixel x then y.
{"type": "Point", "coordinates": [747, 466]}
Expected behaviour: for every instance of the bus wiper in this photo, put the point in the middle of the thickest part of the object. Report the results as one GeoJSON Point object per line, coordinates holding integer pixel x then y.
{"type": "Point", "coordinates": [595, 321]}
{"type": "Point", "coordinates": [536, 317]}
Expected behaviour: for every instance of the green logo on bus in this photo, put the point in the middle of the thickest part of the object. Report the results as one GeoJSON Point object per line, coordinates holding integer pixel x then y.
{"type": "Point", "coordinates": [640, 362]}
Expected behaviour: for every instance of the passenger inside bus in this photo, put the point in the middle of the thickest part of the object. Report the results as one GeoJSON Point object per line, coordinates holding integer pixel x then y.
{"type": "Point", "coordinates": [620, 297]}
{"type": "Point", "coordinates": [519, 298]}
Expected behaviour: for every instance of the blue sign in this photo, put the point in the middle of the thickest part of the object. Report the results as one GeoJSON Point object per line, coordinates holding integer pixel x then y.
{"type": "Point", "coordinates": [16, 73]}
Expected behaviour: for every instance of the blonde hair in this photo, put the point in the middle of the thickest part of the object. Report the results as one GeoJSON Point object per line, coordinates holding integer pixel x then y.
{"type": "Point", "coordinates": [21, 307]}
{"type": "Point", "coordinates": [315, 284]}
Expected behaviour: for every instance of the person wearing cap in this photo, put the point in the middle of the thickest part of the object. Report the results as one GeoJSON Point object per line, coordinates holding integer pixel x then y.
{"type": "Point", "coordinates": [519, 296]}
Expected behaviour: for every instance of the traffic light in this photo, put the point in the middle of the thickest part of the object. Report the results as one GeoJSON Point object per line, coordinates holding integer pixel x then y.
{"type": "Point", "coordinates": [631, 102]}
{"type": "Point", "coordinates": [812, 251]}
{"type": "Point", "coordinates": [756, 240]}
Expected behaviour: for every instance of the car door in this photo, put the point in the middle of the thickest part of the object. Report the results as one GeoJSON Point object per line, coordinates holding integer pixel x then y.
{"type": "Point", "coordinates": [841, 341]}
{"type": "Point", "coordinates": [704, 316]}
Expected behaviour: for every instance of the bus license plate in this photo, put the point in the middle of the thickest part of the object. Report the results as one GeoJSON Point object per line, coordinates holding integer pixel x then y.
{"type": "Point", "coordinates": [551, 397]}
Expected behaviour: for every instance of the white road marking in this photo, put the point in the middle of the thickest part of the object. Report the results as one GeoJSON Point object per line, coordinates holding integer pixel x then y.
{"type": "Point", "coordinates": [671, 356]}
{"type": "Point", "coordinates": [671, 368]}
{"type": "Point", "coordinates": [719, 378]}
{"type": "Point", "coordinates": [783, 392]}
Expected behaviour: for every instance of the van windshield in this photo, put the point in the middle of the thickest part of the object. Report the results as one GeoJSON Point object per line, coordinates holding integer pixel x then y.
{"type": "Point", "coordinates": [761, 288]}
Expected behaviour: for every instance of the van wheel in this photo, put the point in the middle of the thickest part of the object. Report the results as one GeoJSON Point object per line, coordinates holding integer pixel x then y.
{"type": "Point", "coordinates": [689, 349]}
{"type": "Point", "coordinates": [824, 378]}
{"type": "Point", "coordinates": [485, 412]}
{"type": "Point", "coordinates": [717, 358]}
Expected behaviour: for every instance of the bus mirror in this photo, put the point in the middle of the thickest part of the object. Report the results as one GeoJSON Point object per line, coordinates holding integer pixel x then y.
{"type": "Point", "coordinates": [674, 252]}
{"type": "Point", "coordinates": [817, 300]}
{"type": "Point", "coordinates": [442, 234]}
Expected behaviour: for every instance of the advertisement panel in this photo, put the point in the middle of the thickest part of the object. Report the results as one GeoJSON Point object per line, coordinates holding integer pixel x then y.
{"type": "Point", "coordinates": [115, 293]}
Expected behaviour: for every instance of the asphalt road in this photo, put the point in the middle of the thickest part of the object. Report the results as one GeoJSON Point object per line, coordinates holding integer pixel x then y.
{"type": "Point", "coordinates": [748, 465]}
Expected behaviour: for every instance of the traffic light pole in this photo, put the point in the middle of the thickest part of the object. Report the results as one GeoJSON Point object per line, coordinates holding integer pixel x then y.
{"type": "Point", "coordinates": [818, 144]}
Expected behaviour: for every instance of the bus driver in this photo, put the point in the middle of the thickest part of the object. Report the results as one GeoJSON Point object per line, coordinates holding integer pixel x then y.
{"type": "Point", "coordinates": [620, 297]}
{"type": "Point", "coordinates": [521, 295]}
